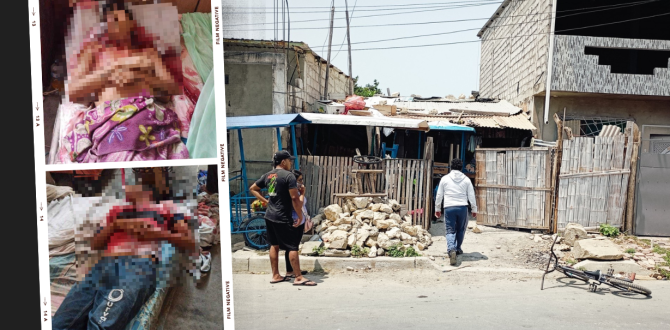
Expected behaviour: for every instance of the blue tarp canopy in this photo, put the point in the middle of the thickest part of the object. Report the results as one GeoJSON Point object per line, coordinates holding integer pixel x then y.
{"type": "Point", "coordinates": [447, 126]}
{"type": "Point", "coordinates": [265, 121]}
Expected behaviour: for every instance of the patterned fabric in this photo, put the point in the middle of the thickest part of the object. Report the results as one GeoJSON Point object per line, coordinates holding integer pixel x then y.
{"type": "Point", "coordinates": [129, 129]}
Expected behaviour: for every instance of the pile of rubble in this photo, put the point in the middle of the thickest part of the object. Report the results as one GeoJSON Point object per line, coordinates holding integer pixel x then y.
{"type": "Point", "coordinates": [368, 223]}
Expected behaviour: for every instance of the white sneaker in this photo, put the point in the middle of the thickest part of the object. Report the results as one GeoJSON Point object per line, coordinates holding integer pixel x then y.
{"type": "Point", "coordinates": [205, 263]}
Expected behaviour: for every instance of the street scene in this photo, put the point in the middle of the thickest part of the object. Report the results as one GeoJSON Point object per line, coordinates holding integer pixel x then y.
{"type": "Point", "coordinates": [490, 164]}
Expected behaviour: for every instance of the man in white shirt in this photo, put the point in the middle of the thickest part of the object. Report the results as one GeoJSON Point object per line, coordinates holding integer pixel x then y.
{"type": "Point", "coordinates": [453, 193]}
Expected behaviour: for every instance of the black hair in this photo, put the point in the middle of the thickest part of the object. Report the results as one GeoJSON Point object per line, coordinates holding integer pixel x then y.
{"type": "Point", "coordinates": [456, 164]}
{"type": "Point", "coordinates": [112, 5]}
{"type": "Point", "coordinates": [296, 173]}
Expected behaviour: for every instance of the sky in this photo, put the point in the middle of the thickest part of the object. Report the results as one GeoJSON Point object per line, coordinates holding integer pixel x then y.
{"type": "Point", "coordinates": [425, 71]}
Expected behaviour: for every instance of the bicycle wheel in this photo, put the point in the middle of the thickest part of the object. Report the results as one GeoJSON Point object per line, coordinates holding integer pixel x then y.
{"type": "Point", "coordinates": [624, 285]}
{"type": "Point", "coordinates": [256, 232]}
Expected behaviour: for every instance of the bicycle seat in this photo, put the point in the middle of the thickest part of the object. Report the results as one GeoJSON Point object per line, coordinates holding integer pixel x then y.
{"type": "Point", "coordinates": [595, 274]}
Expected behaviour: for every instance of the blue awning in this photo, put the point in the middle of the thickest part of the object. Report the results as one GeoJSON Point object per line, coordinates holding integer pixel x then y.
{"type": "Point", "coordinates": [265, 121]}
{"type": "Point", "coordinates": [447, 126]}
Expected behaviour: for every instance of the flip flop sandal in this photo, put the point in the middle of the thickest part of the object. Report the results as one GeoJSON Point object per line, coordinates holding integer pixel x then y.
{"type": "Point", "coordinates": [304, 272]}
{"type": "Point", "coordinates": [284, 279]}
{"type": "Point", "coordinates": [306, 283]}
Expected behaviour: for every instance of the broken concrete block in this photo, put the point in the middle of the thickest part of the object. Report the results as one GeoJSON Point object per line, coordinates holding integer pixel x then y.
{"type": "Point", "coordinates": [308, 247]}
{"type": "Point", "coordinates": [375, 207]}
{"type": "Point", "coordinates": [338, 240]}
{"type": "Point", "coordinates": [574, 232]}
{"type": "Point", "coordinates": [361, 202]}
{"type": "Point", "coordinates": [396, 217]}
{"type": "Point", "coordinates": [627, 266]}
{"type": "Point", "coordinates": [371, 242]}
{"type": "Point", "coordinates": [373, 252]}
{"type": "Point", "coordinates": [393, 233]}
{"type": "Point", "coordinates": [597, 250]}
{"type": "Point", "coordinates": [386, 209]}
{"type": "Point", "coordinates": [332, 212]}
{"type": "Point", "coordinates": [367, 214]}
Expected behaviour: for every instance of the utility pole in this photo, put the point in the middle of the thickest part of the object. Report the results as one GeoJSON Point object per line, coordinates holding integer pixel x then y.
{"type": "Point", "coordinates": [351, 82]}
{"type": "Point", "coordinates": [330, 42]}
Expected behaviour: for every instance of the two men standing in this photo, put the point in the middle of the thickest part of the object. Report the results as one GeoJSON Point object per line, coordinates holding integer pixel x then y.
{"type": "Point", "coordinates": [453, 193]}
{"type": "Point", "coordinates": [283, 232]}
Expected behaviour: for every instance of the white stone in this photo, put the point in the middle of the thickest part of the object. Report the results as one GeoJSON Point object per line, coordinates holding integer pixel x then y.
{"type": "Point", "coordinates": [308, 247]}
{"type": "Point", "coordinates": [408, 218]}
{"type": "Point", "coordinates": [362, 236]}
{"type": "Point", "coordinates": [386, 209]}
{"type": "Point", "coordinates": [379, 216]}
{"type": "Point", "coordinates": [393, 224]}
{"type": "Point", "coordinates": [411, 230]}
{"type": "Point", "coordinates": [367, 214]}
{"type": "Point", "coordinates": [318, 228]}
{"type": "Point", "coordinates": [395, 206]}
{"type": "Point", "coordinates": [383, 240]}
{"type": "Point", "coordinates": [351, 240]}
{"type": "Point", "coordinates": [597, 250]}
{"type": "Point", "coordinates": [361, 202]}
{"type": "Point", "coordinates": [338, 240]}
{"type": "Point", "coordinates": [346, 209]}
{"type": "Point", "coordinates": [371, 242]}
{"type": "Point", "coordinates": [573, 233]}
{"type": "Point", "coordinates": [373, 252]}
{"type": "Point", "coordinates": [421, 247]}
{"type": "Point", "coordinates": [380, 252]}
{"type": "Point", "coordinates": [383, 224]}
{"type": "Point", "coordinates": [396, 217]}
{"type": "Point", "coordinates": [393, 233]}
{"type": "Point", "coordinates": [332, 211]}
{"type": "Point", "coordinates": [373, 232]}
{"type": "Point", "coordinates": [375, 207]}
{"type": "Point", "coordinates": [537, 239]}
{"type": "Point", "coordinates": [477, 230]}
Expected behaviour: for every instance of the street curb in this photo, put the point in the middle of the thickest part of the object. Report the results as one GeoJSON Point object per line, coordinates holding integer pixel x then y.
{"type": "Point", "coordinates": [261, 263]}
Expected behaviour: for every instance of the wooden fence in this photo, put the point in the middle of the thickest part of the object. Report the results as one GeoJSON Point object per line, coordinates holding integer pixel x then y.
{"type": "Point", "coordinates": [513, 187]}
{"type": "Point", "coordinates": [409, 181]}
{"type": "Point", "coordinates": [594, 179]}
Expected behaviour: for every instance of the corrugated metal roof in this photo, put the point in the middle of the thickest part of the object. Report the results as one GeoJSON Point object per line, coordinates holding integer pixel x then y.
{"type": "Point", "coordinates": [266, 121]}
{"type": "Point", "coordinates": [455, 107]}
{"type": "Point", "coordinates": [519, 121]}
{"type": "Point", "coordinates": [393, 122]}
{"type": "Point", "coordinates": [447, 126]}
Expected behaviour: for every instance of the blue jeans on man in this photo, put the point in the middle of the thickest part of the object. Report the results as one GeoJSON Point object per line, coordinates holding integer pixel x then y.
{"type": "Point", "coordinates": [110, 295]}
{"type": "Point", "coordinates": [456, 222]}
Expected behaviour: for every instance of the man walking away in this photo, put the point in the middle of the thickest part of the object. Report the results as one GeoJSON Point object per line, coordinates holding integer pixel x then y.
{"type": "Point", "coordinates": [455, 190]}
{"type": "Point", "coordinates": [283, 233]}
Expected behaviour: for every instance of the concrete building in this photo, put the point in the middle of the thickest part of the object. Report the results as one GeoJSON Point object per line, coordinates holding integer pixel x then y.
{"type": "Point", "coordinates": [599, 62]}
{"type": "Point", "coordinates": [265, 77]}
{"type": "Point", "coordinates": [607, 61]}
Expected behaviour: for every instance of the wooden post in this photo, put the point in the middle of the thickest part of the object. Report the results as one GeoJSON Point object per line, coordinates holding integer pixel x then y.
{"type": "Point", "coordinates": [346, 11]}
{"type": "Point", "coordinates": [330, 43]}
{"type": "Point", "coordinates": [555, 172]}
{"type": "Point", "coordinates": [629, 224]}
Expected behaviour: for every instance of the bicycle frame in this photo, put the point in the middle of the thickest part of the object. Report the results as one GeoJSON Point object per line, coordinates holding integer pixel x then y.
{"type": "Point", "coordinates": [590, 278]}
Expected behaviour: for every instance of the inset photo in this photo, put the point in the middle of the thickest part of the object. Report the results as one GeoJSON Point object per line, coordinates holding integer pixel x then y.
{"type": "Point", "coordinates": [135, 248]}
{"type": "Point", "coordinates": [127, 80]}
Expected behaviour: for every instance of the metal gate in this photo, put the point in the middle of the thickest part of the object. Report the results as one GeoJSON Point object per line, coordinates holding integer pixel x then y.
{"type": "Point", "coordinates": [653, 183]}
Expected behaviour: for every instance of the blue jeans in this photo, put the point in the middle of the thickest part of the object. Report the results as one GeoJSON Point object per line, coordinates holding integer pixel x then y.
{"type": "Point", "coordinates": [110, 295]}
{"type": "Point", "coordinates": [456, 221]}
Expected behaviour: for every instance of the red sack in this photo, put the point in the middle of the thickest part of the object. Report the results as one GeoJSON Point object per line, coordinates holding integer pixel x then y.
{"type": "Point", "coordinates": [354, 102]}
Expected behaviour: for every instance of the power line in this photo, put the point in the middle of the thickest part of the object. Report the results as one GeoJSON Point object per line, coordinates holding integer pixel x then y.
{"type": "Point", "coordinates": [385, 5]}
{"type": "Point", "coordinates": [501, 25]}
{"type": "Point", "coordinates": [345, 36]}
{"type": "Point", "coordinates": [527, 35]}
{"type": "Point", "coordinates": [377, 15]}
{"type": "Point", "coordinates": [618, 6]}
{"type": "Point", "coordinates": [232, 11]}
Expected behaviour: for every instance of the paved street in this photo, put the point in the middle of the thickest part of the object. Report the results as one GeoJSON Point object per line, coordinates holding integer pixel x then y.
{"type": "Point", "coordinates": [423, 299]}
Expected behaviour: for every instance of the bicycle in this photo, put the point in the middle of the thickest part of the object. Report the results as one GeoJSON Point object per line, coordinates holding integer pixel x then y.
{"type": "Point", "coordinates": [593, 278]}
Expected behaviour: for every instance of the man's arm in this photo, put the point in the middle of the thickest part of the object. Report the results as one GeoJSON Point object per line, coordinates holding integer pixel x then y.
{"type": "Point", "coordinates": [471, 199]}
{"type": "Point", "coordinates": [438, 200]}
{"type": "Point", "coordinates": [256, 191]}
{"type": "Point", "coordinates": [297, 204]}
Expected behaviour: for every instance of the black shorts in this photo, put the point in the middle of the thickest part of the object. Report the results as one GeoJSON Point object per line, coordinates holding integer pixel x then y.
{"type": "Point", "coordinates": [285, 235]}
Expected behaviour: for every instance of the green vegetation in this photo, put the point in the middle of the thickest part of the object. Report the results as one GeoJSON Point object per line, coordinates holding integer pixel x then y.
{"type": "Point", "coordinates": [609, 230]}
{"type": "Point", "coordinates": [399, 251]}
{"type": "Point", "coordinates": [630, 250]}
{"type": "Point", "coordinates": [357, 252]}
{"type": "Point", "coordinates": [571, 262]}
{"type": "Point", "coordinates": [368, 90]}
{"type": "Point", "coordinates": [319, 250]}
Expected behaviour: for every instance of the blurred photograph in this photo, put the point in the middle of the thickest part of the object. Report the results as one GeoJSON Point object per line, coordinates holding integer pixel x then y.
{"type": "Point", "coordinates": [134, 248]}
{"type": "Point", "coordinates": [127, 80]}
